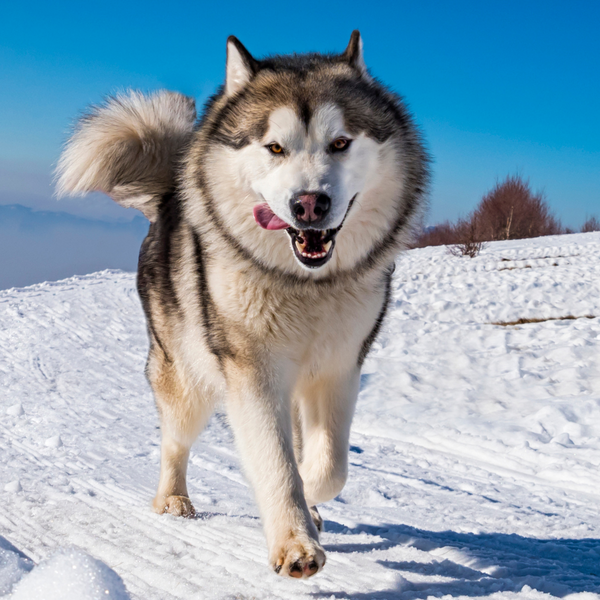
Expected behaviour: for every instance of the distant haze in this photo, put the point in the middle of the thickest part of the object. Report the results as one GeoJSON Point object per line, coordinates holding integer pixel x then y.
{"type": "Point", "coordinates": [40, 246]}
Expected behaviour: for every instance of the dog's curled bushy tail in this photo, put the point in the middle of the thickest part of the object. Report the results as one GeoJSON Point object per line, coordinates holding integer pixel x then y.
{"type": "Point", "coordinates": [128, 148]}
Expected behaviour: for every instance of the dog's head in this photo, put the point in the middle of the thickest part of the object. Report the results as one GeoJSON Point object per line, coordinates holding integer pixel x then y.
{"type": "Point", "coordinates": [305, 162]}
{"type": "Point", "coordinates": [302, 164]}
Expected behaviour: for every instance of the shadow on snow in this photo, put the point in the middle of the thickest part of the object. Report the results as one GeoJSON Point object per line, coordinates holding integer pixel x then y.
{"type": "Point", "coordinates": [476, 564]}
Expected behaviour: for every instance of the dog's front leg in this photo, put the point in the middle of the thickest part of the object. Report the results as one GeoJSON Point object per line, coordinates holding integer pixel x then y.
{"type": "Point", "coordinates": [259, 410]}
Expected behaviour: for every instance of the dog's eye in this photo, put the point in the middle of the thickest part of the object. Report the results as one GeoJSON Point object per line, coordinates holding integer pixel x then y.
{"type": "Point", "coordinates": [340, 145]}
{"type": "Point", "coordinates": [275, 148]}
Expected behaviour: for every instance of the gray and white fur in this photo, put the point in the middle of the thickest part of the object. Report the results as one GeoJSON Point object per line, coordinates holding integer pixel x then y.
{"type": "Point", "coordinates": [265, 276]}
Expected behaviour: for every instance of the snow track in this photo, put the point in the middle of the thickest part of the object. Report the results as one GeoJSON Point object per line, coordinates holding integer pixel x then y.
{"type": "Point", "coordinates": [475, 450]}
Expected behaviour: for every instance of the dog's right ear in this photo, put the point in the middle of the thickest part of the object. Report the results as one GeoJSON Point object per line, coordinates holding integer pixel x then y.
{"type": "Point", "coordinates": [128, 148]}
{"type": "Point", "coordinates": [241, 66]}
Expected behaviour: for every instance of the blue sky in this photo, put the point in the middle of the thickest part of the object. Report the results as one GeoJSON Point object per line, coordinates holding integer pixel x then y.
{"type": "Point", "coordinates": [498, 87]}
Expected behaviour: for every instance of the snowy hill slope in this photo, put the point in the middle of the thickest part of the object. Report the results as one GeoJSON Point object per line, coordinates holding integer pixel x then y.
{"type": "Point", "coordinates": [475, 455]}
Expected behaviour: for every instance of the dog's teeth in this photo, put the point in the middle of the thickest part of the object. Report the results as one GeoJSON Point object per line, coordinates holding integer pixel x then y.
{"type": "Point", "coordinates": [300, 246]}
{"type": "Point", "coordinates": [314, 255]}
{"type": "Point", "coordinates": [327, 246]}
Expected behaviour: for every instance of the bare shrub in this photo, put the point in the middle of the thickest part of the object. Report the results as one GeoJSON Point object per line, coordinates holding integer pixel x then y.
{"type": "Point", "coordinates": [469, 244]}
{"type": "Point", "coordinates": [470, 249]}
{"type": "Point", "coordinates": [591, 224]}
{"type": "Point", "coordinates": [511, 211]}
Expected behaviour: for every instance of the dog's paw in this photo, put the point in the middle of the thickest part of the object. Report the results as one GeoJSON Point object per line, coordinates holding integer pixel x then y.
{"type": "Point", "coordinates": [178, 506]}
{"type": "Point", "coordinates": [299, 559]}
{"type": "Point", "coordinates": [317, 518]}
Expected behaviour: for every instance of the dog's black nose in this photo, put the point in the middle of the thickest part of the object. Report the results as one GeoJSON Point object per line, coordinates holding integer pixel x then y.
{"type": "Point", "coordinates": [310, 208]}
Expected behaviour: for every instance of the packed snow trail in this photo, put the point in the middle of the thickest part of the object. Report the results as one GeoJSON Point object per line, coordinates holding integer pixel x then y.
{"type": "Point", "coordinates": [474, 465]}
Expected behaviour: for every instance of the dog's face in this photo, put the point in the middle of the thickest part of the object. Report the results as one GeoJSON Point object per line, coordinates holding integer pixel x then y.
{"type": "Point", "coordinates": [305, 176]}
{"type": "Point", "coordinates": [303, 159]}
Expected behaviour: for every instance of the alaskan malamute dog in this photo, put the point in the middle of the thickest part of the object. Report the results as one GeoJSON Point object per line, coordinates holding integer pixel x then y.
{"type": "Point", "coordinates": [265, 276]}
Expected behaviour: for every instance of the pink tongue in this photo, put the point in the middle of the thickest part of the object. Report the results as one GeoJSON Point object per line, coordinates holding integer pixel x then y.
{"type": "Point", "coordinates": [267, 219]}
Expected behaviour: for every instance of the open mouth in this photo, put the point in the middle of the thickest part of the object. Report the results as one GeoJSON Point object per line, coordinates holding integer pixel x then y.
{"type": "Point", "coordinates": [312, 247]}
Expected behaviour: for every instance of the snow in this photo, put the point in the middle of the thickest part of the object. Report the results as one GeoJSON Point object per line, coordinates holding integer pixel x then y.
{"type": "Point", "coordinates": [13, 565]}
{"type": "Point", "coordinates": [71, 575]}
{"type": "Point", "coordinates": [474, 459]}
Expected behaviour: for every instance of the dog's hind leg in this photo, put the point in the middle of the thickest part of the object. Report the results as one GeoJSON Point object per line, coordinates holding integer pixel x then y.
{"type": "Point", "coordinates": [184, 413]}
{"type": "Point", "coordinates": [297, 429]}
{"type": "Point", "coordinates": [326, 407]}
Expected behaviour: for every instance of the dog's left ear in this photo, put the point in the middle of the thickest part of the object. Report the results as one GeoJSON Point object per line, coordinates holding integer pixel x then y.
{"type": "Point", "coordinates": [354, 53]}
{"type": "Point", "coordinates": [241, 66]}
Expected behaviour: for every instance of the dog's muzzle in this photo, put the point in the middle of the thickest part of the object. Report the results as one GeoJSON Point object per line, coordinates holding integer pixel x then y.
{"type": "Point", "coordinates": [313, 248]}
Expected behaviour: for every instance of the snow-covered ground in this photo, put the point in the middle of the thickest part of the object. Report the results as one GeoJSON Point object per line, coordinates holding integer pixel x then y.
{"type": "Point", "coordinates": [475, 458]}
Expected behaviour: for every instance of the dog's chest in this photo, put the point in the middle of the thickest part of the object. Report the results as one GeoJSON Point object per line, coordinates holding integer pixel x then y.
{"type": "Point", "coordinates": [312, 322]}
